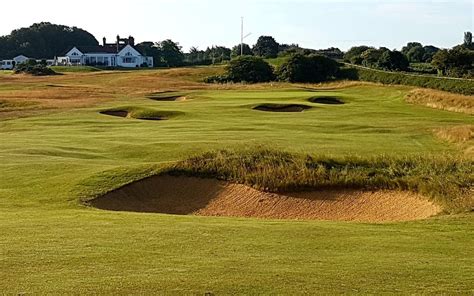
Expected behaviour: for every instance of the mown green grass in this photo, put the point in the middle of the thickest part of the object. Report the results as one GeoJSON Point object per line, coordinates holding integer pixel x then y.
{"type": "Point", "coordinates": [75, 69]}
{"type": "Point", "coordinates": [51, 243]}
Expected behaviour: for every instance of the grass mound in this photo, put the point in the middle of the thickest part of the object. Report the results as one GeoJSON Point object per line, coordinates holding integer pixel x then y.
{"type": "Point", "coordinates": [327, 101]}
{"type": "Point", "coordinates": [281, 108]}
{"type": "Point", "coordinates": [141, 113]}
{"type": "Point", "coordinates": [442, 100]}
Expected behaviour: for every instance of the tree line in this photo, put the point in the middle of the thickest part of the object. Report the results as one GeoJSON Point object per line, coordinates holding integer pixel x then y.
{"type": "Point", "coordinates": [46, 40]}
{"type": "Point", "coordinates": [455, 62]}
{"type": "Point", "coordinates": [169, 53]}
{"type": "Point", "coordinates": [43, 41]}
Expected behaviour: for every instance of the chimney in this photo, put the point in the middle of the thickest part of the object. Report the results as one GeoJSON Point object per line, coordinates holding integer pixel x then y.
{"type": "Point", "coordinates": [131, 40]}
{"type": "Point", "coordinates": [104, 41]}
{"type": "Point", "coordinates": [118, 43]}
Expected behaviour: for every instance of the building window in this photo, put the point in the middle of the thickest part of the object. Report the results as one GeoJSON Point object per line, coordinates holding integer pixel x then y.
{"type": "Point", "coordinates": [129, 60]}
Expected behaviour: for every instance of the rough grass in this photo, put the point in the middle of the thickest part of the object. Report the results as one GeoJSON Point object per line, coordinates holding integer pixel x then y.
{"type": "Point", "coordinates": [442, 100]}
{"type": "Point", "coordinates": [462, 135]}
{"type": "Point", "coordinates": [448, 181]}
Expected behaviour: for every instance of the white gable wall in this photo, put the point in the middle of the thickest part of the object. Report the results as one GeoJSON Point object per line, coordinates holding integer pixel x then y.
{"type": "Point", "coordinates": [128, 57]}
{"type": "Point", "coordinates": [20, 59]}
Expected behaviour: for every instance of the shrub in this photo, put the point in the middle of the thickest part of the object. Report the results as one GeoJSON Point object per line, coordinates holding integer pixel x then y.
{"type": "Point", "coordinates": [393, 60]}
{"type": "Point", "coordinates": [34, 68]}
{"type": "Point", "coordinates": [312, 68]}
{"type": "Point", "coordinates": [217, 79]}
{"type": "Point", "coordinates": [249, 69]}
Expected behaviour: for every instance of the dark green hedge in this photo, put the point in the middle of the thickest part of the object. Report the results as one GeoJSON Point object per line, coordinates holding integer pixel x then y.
{"type": "Point", "coordinates": [465, 87]}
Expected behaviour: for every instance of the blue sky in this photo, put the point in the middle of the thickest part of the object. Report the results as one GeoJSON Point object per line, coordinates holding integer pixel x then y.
{"type": "Point", "coordinates": [310, 23]}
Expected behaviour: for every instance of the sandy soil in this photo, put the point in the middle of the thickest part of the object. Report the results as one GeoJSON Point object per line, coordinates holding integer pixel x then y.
{"type": "Point", "coordinates": [208, 197]}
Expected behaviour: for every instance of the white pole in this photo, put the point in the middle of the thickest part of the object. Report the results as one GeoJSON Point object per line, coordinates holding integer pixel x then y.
{"type": "Point", "coordinates": [242, 37]}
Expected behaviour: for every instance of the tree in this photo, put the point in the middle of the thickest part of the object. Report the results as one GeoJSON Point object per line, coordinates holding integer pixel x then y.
{"type": "Point", "coordinates": [249, 69]}
{"type": "Point", "coordinates": [150, 49]}
{"type": "Point", "coordinates": [468, 40]}
{"type": "Point", "coordinates": [409, 46]}
{"type": "Point", "coordinates": [430, 51]}
{"type": "Point", "coordinates": [353, 55]}
{"type": "Point", "coordinates": [312, 68]}
{"type": "Point", "coordinates": [266, 47]}
{"type": "Point", "coordinates": [394, 61]}
{"type": "Point", "coordinates": [170, 53]}
{"type": "Point", "coordinates": [371, 57]}
{"type": "Point", "coordinates": [236, 50]}
{"type": "Point", "coordinates": [416, 54]}
{"type": "Point", "coordinates": [218, 54]}
{"type": "Point", "coordinates": [44, 40]}
{"type": "Point", "coordinates": [457, 62]}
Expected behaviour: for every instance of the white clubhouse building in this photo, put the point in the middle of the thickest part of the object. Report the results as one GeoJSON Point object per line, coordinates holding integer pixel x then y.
{"type": "Point", "coordinates": [120, 54]}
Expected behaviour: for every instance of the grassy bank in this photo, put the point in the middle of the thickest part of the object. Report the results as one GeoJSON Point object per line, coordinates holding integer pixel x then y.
{"type": "Point", "coordinates": [448, 181]}
{"type": "Point", "coordinates": [461, 86]}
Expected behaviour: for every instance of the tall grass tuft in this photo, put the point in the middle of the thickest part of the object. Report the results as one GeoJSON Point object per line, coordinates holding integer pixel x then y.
{"type": "Point", "coordinates": [442, 100]}
{"type": "Point", "coordinates": [446, 180]}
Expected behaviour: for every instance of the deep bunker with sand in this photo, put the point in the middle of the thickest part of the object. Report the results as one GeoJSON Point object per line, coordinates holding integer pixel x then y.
{"type": "Point", "coordinates": [181, 195]}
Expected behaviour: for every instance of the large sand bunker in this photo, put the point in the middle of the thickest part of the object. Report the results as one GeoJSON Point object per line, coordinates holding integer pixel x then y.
{"type": "Point", "coordinates": [208, 197]}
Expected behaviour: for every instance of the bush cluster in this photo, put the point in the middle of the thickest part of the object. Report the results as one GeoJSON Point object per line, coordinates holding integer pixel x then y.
{"type": "Point", "coordinates": [307, 68]}
{"type": "Point", "coordinates": [34, 68]}
{"type": "Point", "coordinates": [297, 68]}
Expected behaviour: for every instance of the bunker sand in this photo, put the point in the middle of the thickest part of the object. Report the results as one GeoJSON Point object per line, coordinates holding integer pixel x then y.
{"type": "Point", "coordinates": [209, 197]}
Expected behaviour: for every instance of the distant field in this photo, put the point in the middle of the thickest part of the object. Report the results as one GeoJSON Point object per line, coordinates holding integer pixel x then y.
{"type": "Point", "coordinates": [57, 147]}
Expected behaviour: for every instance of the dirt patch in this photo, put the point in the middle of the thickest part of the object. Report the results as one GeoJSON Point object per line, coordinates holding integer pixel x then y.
{"type": "Point", "coordinates": [281, 108]}
{"type": "Point", "coordinates": [327, 100]}
{"type": "Point", "coordinates": [208, 197]}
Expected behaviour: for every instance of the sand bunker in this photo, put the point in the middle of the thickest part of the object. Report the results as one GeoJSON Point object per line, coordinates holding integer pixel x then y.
{"type": "Point", "coordinates": [167, 97]}
{"type": "Point", "coordinates": [281, 107]}
{"type": "Point", "coordinates": [327, 100]}
{"type": "Point", "coordinates": [141, 114]}
{"type": "Point", "coordinates": [116, 113]}
{"type": "Point", "coordinates": [208, 197]}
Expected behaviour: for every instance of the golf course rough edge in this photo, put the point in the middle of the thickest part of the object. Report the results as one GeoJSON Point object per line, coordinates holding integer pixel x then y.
{"type": "Point", "coordinates": [210, 197]}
